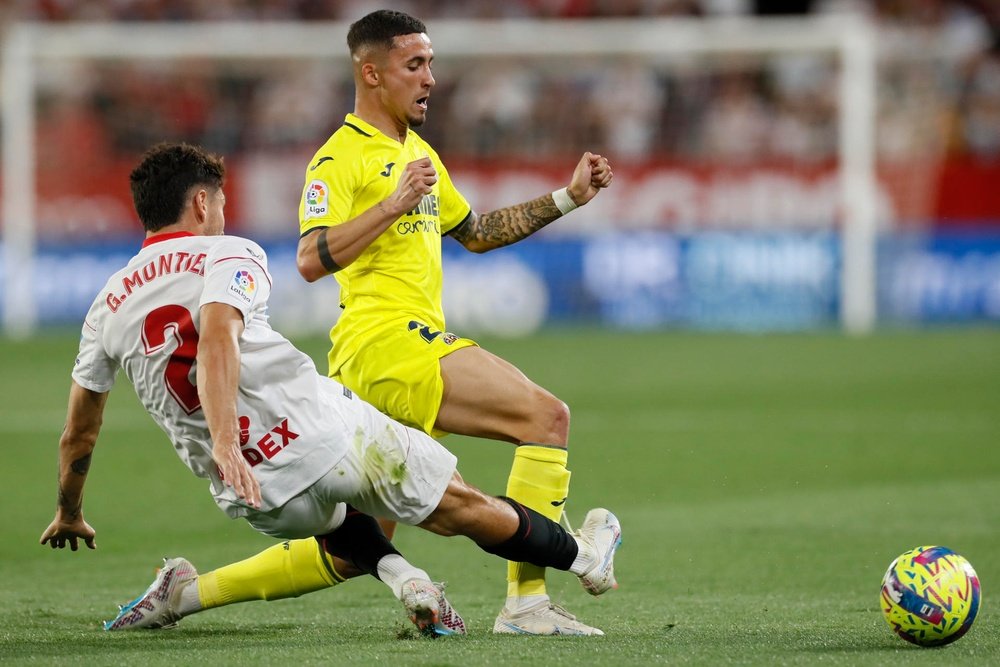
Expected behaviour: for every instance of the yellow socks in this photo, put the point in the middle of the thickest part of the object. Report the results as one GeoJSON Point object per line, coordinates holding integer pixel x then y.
{"type": "Point", "coordinates": [539, 480]}
{"type": "Point", "coordinates": [285, 570]}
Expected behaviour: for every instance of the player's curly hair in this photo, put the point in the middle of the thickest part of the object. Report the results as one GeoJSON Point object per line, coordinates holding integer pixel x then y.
{"type": "Point", "coordinates": [379, 28]}
{"type": "Point", "coordinates": [162, 180]}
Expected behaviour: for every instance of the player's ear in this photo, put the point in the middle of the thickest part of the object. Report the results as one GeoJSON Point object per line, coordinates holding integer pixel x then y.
{"type": "Point", "coordinates": [370, 74]}
{"type": "Point", "coordinates": [199, 204]}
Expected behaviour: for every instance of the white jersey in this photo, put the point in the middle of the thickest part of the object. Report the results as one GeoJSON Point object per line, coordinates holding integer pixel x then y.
{"type": "Point", "coordinates": [146, 321]}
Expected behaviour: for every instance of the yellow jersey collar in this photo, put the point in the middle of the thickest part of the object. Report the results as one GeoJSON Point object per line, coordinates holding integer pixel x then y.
{"type": "Point", "coordinates": [360, 126]}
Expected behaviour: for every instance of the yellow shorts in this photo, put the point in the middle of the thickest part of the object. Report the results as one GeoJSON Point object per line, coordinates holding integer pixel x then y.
{"type": "Point", "coordinates": [398, 370]}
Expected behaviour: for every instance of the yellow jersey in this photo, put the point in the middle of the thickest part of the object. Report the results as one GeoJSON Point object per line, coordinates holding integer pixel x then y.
{"type": "Point", "coordinates": [399, 275]}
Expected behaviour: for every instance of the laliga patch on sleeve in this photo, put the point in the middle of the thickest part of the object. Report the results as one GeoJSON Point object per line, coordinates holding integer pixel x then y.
{"type": "Point", "coordinates": [243, 286]}
{"type": "Point", "coordinates": [317, 199]}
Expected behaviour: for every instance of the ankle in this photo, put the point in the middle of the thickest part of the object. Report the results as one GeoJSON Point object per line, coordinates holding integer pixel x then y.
{"type": "Point", "coordinates": [585, 559]}
{"type": "Point", "coordinates": [516, 603]}
{"type": "Point", "coordinates": [394, 571]}
{"type": "Point", "coordinates": [190, 601]}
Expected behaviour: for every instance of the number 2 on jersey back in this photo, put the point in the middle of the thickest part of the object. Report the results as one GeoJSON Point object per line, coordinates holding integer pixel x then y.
{"type": "Point", "coordinates": [177, 320]}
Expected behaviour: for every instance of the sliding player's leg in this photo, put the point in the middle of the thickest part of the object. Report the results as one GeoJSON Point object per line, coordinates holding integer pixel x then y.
{"type": "Point", "coordinates": [290, 569]}
{"type": "Point", "coordinates": [360, 542]}
{"type": "Point", "coordinates": [402, 473]}
{"type": "Point", "coordinates": [508, 529]}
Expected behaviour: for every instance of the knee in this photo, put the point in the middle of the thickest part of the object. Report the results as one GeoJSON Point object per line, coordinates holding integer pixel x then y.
{"type": "Point", "coordinates": [552, 420]}
{"type": "Point", "coordinates": [560, 422]}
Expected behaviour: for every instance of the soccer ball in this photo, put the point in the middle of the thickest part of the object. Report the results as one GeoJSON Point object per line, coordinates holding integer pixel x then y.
{"type": "Point", "coordinates": [930, 596]}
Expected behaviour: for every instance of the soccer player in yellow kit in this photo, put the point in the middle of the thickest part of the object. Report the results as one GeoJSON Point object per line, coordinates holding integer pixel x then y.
{"type": "Point", "coordinates": [376, 202]}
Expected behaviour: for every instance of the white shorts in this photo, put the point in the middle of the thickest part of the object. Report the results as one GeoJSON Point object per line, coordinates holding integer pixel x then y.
{"type": "Point", "coordinates": [391, 471]}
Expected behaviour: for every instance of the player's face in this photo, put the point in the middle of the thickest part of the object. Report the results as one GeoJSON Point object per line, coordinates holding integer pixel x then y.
{"type": "Point", "coordinates": [215, 220]}
{"type": "Point", "coordinates": [407, 79]}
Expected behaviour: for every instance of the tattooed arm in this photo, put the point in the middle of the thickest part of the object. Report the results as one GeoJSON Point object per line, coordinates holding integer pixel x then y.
{"type": "Point", "coordinates": [496, 229]}
{"type": "Point", "coordinates": [83, 423]}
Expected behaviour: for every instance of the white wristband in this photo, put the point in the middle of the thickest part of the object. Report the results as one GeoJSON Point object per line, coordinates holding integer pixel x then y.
{"type": "Point", "coordinates": [563, 201]}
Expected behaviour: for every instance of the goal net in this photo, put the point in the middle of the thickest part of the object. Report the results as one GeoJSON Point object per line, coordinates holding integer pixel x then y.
{"type": "Point", "coordinates": [744, 153]}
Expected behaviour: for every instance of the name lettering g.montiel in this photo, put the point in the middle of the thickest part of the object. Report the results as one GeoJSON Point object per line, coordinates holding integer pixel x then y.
{"type": "Point", "coordinates": [161, 265]}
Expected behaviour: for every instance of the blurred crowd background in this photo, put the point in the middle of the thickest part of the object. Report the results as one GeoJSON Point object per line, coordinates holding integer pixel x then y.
{"type": "Point", "coordinates": [784, 108]}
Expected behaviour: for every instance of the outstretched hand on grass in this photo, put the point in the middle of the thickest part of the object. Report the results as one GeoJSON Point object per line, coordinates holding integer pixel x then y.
{"type": "Point", "coordinates": [62, 532]}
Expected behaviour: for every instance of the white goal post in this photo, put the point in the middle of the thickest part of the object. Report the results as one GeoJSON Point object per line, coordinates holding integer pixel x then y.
{"type": "Point", "coordinates": [849, 38]}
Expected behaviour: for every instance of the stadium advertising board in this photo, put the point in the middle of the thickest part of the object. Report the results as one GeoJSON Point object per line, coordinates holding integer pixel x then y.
{"type": "Point", "coordinates": [717, 280]}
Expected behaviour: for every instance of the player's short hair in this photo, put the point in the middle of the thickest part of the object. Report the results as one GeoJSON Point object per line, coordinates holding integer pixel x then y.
{"type": "Point", "coordinates": [162, 180]}
{"type": "Point", "coordinates": [377, 30]}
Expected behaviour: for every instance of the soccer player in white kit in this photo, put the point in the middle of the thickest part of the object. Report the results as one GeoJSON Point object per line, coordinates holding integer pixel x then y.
{"type": "Point", "coordinates": [282, 446]}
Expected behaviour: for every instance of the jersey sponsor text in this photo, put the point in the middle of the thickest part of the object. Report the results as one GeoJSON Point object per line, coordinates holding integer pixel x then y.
{"type": "Point", "coordinates": [268, 445]}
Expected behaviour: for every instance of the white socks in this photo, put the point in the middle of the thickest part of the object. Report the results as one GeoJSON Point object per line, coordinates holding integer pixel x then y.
{"type": "Point", "coordinates": [189, 602]}
{"type": "Point", "coordinates": [585, 560]}
{"type": "Point", "coordinates": [394, 571]}
{"type": "Point", "coordinates": [516, 603]}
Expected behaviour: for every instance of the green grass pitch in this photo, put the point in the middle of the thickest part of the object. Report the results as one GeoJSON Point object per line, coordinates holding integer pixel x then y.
{"type": "Point", "coordinates": [763, 483]}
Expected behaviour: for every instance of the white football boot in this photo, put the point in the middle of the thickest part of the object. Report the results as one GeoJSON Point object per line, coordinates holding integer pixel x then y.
{"type": "Point", "coordinates": [601, 533]}
{"type": "Point", "coordinates": [430, 610]}
{"type": "Point", "coordinates": [542, 618]}
{"type": "Point", "coordinates": [157, 607]}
